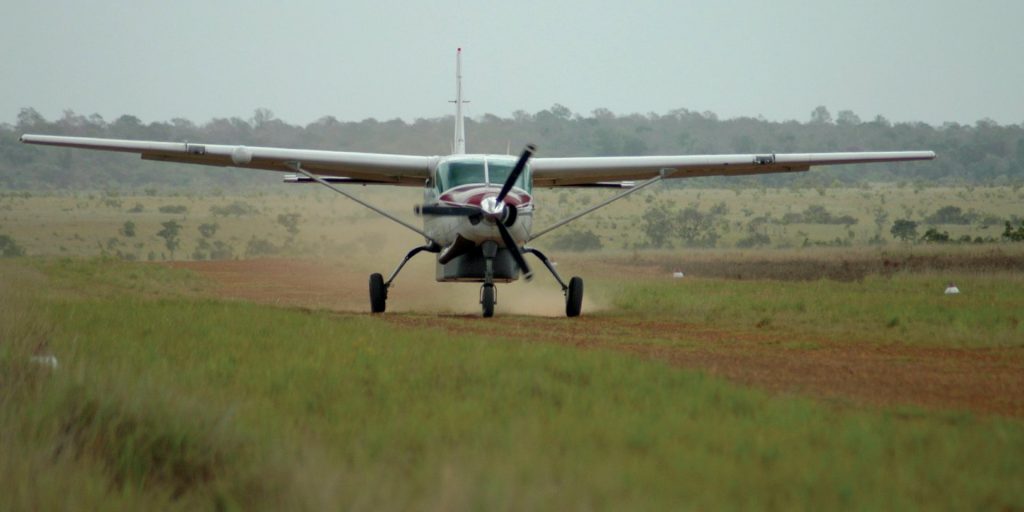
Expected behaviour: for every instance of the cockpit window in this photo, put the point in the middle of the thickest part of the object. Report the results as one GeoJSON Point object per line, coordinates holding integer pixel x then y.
{"type": "Point", "coordinates": [471, 171]}
{"type": "Point", "coordinates": [499, 169]}
{"type": "Point", "coordinates": [455, 173]}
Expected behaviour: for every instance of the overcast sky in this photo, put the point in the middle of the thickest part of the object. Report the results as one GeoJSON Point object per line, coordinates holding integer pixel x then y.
{"type": "Point", "coordinates": [932, 61]}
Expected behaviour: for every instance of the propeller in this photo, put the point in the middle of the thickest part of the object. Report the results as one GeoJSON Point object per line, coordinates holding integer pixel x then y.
{"type": "Point", "coordinates": [516, 171]}
{"type": "Point", "coordinates": [495, 208]}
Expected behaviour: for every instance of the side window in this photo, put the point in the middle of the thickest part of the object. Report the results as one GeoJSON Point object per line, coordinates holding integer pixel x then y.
{"type": "Point", "coordinates": [441, 176]}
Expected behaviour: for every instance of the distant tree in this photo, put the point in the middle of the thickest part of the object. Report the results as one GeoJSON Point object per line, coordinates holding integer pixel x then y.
{"type": "Point", "coordinates": [578, 240]}
{"type": "Point", "coordinates": [262, 116]}
{"type": "Point", "coordinates": [561, 111]}
{"type": "Point", "coordinates": [259, 247]}
{"type": "Point", "coordinates": [208, 229]}
{"type": "Point", "coordinates": [173, 208]}
{"type": "Point", "coordinates": [1014, 235]}
{"type": "Point", "coordinates": [881, 217]}
{"type": "Point", "coordinates": [290, 221]}
{"type": "Point", "coordinates": [236, 208]}
{"type": "Point", "coordinates": [821, 115]}
{"type": "Point", "coordinates": [753, 240]}
{"type": "Point", "coordinates": [695, 228]}
{"type": "Point", "coordinates": [932, 235]}
{"type": "Point", "coordinates": [169, 233]}
{"type": "Point", "coordinates": [847, 118]}
{"type": "Point", "coordinates": [948, 215]}
{"type": "Point", "coordinates": [904, 229]}
{"type": "Point", "coordinates": [9, 248]}
{"type": "Point", "coordinates": [221, 251]}
{"type": "Point", "coordinates": [657, 225]}
{"type": "Point", "coordinates": [128, 229]}
{"type": "Point", "coordinates": [29, 118]}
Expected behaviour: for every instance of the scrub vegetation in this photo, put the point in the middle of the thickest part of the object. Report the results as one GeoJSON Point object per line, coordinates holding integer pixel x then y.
{"type": "Point", "coordinates": [166, 398]}
{"type": "Point", "coordinates": [310, 221]}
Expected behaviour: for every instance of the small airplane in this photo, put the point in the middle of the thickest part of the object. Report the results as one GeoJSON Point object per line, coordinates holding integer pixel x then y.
{"type": "Point", "coordinates": [478, 208]}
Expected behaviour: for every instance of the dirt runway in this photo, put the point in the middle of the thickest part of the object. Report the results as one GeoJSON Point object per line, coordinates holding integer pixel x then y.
{"type": "Point", "coordinates": [858, 372]}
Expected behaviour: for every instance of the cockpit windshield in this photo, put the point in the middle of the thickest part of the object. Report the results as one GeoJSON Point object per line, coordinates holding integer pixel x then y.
{"type": "Point", "coordinates": [480, 170]}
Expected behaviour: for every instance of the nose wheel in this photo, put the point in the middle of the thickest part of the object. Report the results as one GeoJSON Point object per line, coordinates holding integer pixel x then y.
{"type": "Point", "coordinates": [488, 298]}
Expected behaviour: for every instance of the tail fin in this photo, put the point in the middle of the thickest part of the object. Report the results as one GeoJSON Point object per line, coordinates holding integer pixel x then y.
{"type": "Point", "coordinates": [459, 144]}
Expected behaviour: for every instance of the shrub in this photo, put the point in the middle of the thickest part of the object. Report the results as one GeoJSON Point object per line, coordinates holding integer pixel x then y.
{"type": "Point", "coordinates": [290, 221]}
{"type": "Point", "coordinates": [754, 240]}
{"type": "Point", "coordinates": [128, 229]}
{"type": "Point", "coordinates": [260, 247]}
{"type": "Point", "coordinates": [1013, 235]}
{"type": "Point", "coordinates": [934, 236]}
{"type": "Point", "coordinates": [208, 230]}
{"type": "Point", "coordinates": [9, 248]}
{"type": "Point", "coordinates": [948, 215]}
{"type": "Point", "coordinates": [173, 208]}
{"type": "Point", "coordinates": [237, 208]}
{"type": "Point", "coordinates": [582, 240]}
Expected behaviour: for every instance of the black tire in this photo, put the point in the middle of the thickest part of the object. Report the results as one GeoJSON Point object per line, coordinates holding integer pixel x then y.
{"type": "Point", "coordinates": [487, 300]}
{"type": "Point", "coordinates": [378, 293]}
{"type": "Point", "coordinates": [574, 298]}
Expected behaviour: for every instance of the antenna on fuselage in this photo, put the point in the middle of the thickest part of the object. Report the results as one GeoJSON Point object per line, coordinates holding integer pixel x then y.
{"type": "Point", "coordinates": [459, 143]}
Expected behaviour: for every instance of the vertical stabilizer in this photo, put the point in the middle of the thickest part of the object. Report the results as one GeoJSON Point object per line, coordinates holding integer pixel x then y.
{"type": "Point", "coordinates": [459, 144]}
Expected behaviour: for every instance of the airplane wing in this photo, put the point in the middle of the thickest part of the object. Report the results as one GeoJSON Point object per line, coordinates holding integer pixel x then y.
{"type": "Point", "coordinates": [559, 172]}
{"type": "Point", "coordinates": [358, 167]}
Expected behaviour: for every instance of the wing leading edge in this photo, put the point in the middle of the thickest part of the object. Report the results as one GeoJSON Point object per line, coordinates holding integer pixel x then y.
{"type": "Point", "coordinates": [554, 172]}
{"type": "Point", "coordinates": [364, 167]}
{"type": "Point", "coordinates": [414, 170]}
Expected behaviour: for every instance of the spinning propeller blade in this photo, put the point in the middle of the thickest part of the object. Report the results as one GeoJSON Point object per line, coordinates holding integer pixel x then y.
{"type": "Point", "coordinates": [516, 171]}
{"type": "Point", "coordinates": [517, 255]}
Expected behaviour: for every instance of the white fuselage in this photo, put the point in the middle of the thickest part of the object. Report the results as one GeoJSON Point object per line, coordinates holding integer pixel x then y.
{"type": "Point", "coordinates": [475, 180]}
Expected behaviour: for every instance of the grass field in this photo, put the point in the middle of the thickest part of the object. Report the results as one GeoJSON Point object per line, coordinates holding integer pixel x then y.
{"type": "Point", "coordinates": [781, 377]}
{"type": "Point", "coordinates": [167, 398]}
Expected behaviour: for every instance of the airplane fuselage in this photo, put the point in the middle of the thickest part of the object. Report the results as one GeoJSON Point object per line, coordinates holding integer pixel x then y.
{"type": "Point", "coordinates": [475, 181]}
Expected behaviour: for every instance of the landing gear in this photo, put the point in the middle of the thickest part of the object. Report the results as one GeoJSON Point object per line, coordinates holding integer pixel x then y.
{"type": "Point", "coordinates": [379, 287]}
{"type": "Point", "coordinates": [488, 298]}
{"type": "Point", "coordinates": [487, 293]}
{"type": "Point", "coordinates": [574, 297]}
{"type": "Point", "coordinates": [378, 293]}
{"type": "Point", "coordinates": [573, 291]}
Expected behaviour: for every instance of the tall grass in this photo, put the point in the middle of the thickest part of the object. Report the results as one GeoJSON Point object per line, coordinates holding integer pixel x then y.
{"type": "Point", "coordinates": [179, 402]}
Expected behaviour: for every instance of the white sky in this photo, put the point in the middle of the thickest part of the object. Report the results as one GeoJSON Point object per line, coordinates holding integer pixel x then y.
{"type": "Point", "coordinates": [931, 61]}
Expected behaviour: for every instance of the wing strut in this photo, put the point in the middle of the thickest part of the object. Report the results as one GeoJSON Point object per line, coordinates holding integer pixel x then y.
{"type": "Point", "coordinates": [662, 174]}
{"type": "Point", "coordinates": [297, 167]}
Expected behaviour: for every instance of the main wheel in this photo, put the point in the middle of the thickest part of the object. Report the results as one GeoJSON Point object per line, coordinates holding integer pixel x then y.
{"type": "Point", "coordinates": [487, 300]}
{"type": "Point", "coordinates": [378, 293]}
{"type": "Point", "coordinates": [574, 297]}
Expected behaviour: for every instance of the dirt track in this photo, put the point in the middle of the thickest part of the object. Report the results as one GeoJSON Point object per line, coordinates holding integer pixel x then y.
{"type": "Point", "coordinates": [979, 380]}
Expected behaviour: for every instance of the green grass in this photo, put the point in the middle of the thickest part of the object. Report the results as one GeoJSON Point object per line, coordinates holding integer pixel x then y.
{"type": "Point", "coordinates": [172, 401]}
{"type": "Point", "coordinates": [904, 308]}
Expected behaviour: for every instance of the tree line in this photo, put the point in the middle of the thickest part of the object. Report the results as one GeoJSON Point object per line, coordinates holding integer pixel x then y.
{"type": "Point", "coordinates": [982, 153]}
